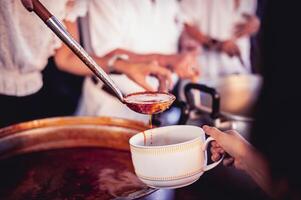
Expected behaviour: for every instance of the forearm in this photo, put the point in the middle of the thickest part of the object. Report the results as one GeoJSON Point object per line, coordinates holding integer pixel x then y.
{"type": "Point", "coordinates": [248, 28]}
{"type": "Point", "coordinates": [245, 34]}
{"type": "Point", "coordinates": [162, 59]}
{"type": "Point", "coordinates": [75, 66]}
{"type": "Point", "coordinates": [256, 166]}
{"type": "Point", "coordinates": [67, 61]}
{"type": "Point", "coordinates": [194, 33]}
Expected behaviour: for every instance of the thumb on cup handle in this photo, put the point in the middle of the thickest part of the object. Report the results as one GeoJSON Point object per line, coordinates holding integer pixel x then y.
{"type": "Point", "coordinates": [212, 165]}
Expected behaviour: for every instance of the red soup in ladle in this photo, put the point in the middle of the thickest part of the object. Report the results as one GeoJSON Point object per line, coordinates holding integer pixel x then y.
{"type": "Point", "coordinates": [149, 103]}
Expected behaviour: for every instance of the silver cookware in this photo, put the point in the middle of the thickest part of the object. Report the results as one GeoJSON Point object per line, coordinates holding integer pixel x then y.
{"type": "Point", "coordinates": [229, 101]}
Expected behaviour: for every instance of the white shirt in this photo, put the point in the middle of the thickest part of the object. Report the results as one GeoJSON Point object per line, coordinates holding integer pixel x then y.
{"type": "Point", "coordinates": [26, 43]}
{"type": "Point", "coordinates": [217, 19]}
{"type": "Point", "coordinates": [135, 25]}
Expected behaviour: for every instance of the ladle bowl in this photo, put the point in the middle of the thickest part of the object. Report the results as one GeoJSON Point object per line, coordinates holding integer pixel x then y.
{"type": "Point", "coordinates": [149, 102]}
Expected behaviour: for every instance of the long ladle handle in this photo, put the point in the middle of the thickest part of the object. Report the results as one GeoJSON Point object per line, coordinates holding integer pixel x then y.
{"type": "Point", "coordinates": [53, 23]}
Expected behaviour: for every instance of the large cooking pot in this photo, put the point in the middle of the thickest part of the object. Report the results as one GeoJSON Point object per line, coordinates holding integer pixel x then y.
{"type": "Point", "coordinates": [69, 158]}
{"type": "Point", "coordinates": [229, 100]}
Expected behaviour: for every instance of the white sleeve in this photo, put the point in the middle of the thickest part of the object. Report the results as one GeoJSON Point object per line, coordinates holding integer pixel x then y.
{"type": "Point", "coordinates": [179, 17]}
{"type": "Point", "coordinates": [68, 10]}
{"type": "Point", "coordinates": [188, 11]}
{"type": "Point", "coordinates": [107, 24]}
{"type": "Point", "coordinates": [248, 7]}
{"type": "Point", "coordinates": [75, 9]}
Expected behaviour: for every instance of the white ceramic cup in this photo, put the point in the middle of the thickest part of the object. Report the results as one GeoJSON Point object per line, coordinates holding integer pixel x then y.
{"type": "Point", "coordinates": [173, 157]}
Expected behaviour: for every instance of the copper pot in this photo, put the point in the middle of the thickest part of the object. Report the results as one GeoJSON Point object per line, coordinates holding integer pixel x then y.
{"type": "Point", "coordinates": [43, 159]}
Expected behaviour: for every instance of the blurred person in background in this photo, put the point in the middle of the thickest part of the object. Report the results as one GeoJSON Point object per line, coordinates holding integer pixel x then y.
{"type": "Point", "coordinates": [26, 46]}
{"type": "Point", "coordinates": [270, 157]}
{"type": "Point", "coordinates": [141, 32]}
{"type": "Point", "coordinates": [221, 31]}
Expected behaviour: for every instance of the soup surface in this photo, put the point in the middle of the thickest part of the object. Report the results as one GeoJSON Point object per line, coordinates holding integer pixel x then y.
{"type": "Point", "coordinates": [77, 173]}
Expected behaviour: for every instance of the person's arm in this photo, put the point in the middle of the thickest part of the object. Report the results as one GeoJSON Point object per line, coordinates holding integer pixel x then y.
{"type": "Point", "coordinates": [229, 46]}
{"type": "Point", "coordinates": [137, 71]}
{"type": "Point", "coordinates": [185, 65]}
{"type": "Point", "coordinates": [242, 155]}
{"type": "Point", "coordinates": [198, 35]}
{"type": "Point", "coordinates": [136, 57]}
{"type": "Point", "coordinates": [256, 166]}
{"type": "Point", "coordinates": [247, 28]}
{"type": "Point", "coordinates": [67, 61]}
{"type": "Point", "coordinates": [189, 44]}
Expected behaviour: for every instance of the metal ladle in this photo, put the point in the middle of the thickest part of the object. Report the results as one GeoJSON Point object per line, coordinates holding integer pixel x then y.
{"type": "Point", "coordinates": [54, 24]}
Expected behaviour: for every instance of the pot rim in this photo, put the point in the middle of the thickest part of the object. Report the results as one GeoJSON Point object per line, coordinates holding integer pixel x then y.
{"type": "Point", "coordinates": [72, 120]}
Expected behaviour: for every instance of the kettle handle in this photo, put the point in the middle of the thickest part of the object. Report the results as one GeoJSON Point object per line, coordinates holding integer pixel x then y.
{"type": "Point", "coordinates": [203, 88]}
{"type": "Point", "coordinates": [184, 113]}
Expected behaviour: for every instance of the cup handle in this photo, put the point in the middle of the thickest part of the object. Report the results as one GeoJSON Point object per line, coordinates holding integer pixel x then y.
{"type": "Point", "coordinates": [211, 166]}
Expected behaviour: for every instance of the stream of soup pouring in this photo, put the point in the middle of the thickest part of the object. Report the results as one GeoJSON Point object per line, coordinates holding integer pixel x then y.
{"type": "Point", "coordinates": [149, 103]}
{"type": "Point", "coordinates": [151, 126]}
{"type": "Point", "coordinates": [144, 134]}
